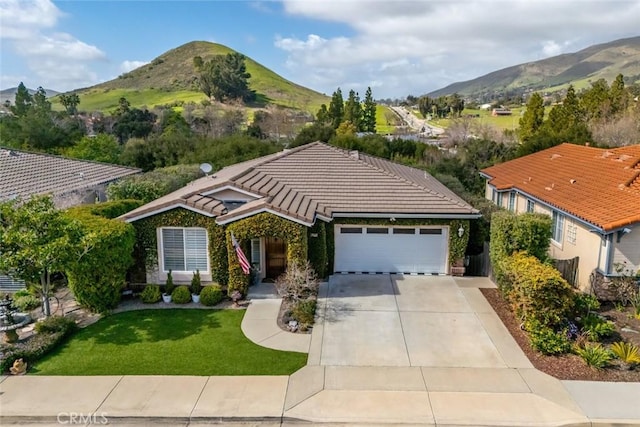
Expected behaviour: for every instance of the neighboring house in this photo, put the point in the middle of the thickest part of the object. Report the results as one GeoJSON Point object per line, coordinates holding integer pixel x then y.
{"type": "Point", "coordinates": [593, 196]}
{"type": "Point", "coordinates": [345, 211]}
{"type": "Point", "coordinates": [70, 182]}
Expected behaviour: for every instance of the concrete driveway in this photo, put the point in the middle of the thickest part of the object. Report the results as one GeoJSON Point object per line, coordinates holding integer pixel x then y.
{"type": "Point", "coordinates": [396, 320]}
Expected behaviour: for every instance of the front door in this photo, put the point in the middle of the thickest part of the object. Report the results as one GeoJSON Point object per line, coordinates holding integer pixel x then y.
{"type": "Point", "coordinates": [276, 257]}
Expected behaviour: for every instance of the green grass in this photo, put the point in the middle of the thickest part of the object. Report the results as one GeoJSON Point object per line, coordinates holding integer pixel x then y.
{"type": "Point", "coordinates": [383, 125]}
{"type": "Point", "coordinates": [167, 342]}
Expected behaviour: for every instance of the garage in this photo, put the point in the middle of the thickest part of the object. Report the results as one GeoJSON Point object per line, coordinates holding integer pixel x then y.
{"type": "Point", "coordinates": [379, 249]}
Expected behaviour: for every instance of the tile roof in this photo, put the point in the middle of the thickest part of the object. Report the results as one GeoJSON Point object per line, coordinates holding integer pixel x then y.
{"type": "Point", "coordinates": [24, 174]}
{"type": "Point", "coordinates": [600, 186]}
{"type": "Point", "coordinates": [317, 179]}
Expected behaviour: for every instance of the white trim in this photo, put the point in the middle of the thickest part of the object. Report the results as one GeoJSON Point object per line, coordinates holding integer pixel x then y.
{"type": "Point", "coordinates": [324, 218]}
{"type": "Point", "coordinates": [168, 208]}
{"type": "Point", "coordinates": [231, 187]}
{"type": "Point", "coordinates": [255, 212]}
{"type": "Point", "coordinates": [403, 215]}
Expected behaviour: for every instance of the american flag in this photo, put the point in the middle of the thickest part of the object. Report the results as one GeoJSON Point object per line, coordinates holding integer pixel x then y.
{"type": "Point", "coordinates": [242, 259]}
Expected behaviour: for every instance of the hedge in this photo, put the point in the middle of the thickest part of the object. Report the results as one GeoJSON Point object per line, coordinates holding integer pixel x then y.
{"type": "Point", "coordinates": [537, 292]}
{"type": "Point", "coordinates": [317, 238]}
{"type": "Point", "coordinates": [529, 232]}
{"type": "Point", "coordinates": [98, 277]}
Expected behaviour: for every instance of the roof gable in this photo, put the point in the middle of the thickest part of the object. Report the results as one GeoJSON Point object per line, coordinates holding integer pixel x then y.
{"type": "Point", "coordinates": [600, 186]}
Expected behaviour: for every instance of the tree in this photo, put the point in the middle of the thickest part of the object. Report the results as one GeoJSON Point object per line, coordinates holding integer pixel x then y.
{"type": "Point", "coordinates": [224, 77]}
{"type": "Point", "coordinates": [133, 123]}
{"type": "Point", "coordinates": [425, 105]}
{"type": "Point", "coordinates": [22, 101]}
{"type": "Point", "coordinates": [336, 108]}
{"type": "Point", "coordinates": [70, 102]}
{"type": "Point", "coordinates": [353, 110]}
{"type": "Point", "coordinates": [455, 104]}
{"type": "Point", "coordinates": [532, 118]}
{"type": "Point", "coordinates": [322, 116]}
{"type": "Point", "coordinates": [36, 240]}
{"type": "Point", "coordinates": [368, 123]}
{"type": "Point", "coordinates": [618, 95]}
{"type": "Point", "coordinates": [99, 148]}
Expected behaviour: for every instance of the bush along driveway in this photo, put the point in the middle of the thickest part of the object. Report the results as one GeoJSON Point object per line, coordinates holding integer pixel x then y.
{"type": "Point", "coordinates": [167, 342]}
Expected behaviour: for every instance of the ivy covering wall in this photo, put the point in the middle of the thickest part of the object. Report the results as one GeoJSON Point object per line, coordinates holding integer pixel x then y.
{"type": "Point", "coordinates": [317, 238]}
{"type": "Point", "coordinates": [147, 240]}
{"type": "Point", "coordinates": [457, 245]}
{"type": "Point", "coordinates": [263, 225]}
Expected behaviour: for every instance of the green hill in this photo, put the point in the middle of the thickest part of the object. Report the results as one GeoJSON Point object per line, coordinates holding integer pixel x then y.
{"type": "Point", "coordinates": [171, 77]}
{"type": "Point", "coordinates": [605, 60]}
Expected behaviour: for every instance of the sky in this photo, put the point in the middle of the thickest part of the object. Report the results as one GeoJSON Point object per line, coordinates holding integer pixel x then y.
{"type": "Point", "coordinates": [396, 47]}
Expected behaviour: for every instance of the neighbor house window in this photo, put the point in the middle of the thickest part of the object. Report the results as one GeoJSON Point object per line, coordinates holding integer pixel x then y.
{"type": "Point", "coordinates": [184, 249]}
{"type": "Point", "coordinates": [531, 205]}
{"type": "Point", "coordinates": [499, 199]}
{"type": "Point", "coordinates": [558, 226]}
{"type": "Point", "coordinates": [572, 230]}
{"type": "Point", "coordinates": [255, 253]}
{"type": "Point", "coordinates": [512, 201]}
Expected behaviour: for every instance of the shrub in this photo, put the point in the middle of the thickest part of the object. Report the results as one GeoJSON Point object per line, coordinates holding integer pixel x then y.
{"type": "Point", "coordinates": [21, 293]}
{"type": "Point", "coordinates": [196, 283]}
{"type": "Point", "coordinates": [546, 340]}
{"type": "Point", "coordinates": [169, 286]}
{"type": "Point", "coordinates": [584, 304]}
{"type": "Point", "coordinates": [98, 277]}
{"type": "Point", "coordinates": [537, 291]}
{"type": "Point", "coordinates": [150, 294]}
{"type": "Point", "coordinates": [26, 303]}
{"type": "Point", "coordinates": [596, 328]}
{"type": "Point", "coordinates": [211, 295]}
{"type": "Point", "coordinates": [304, 312]}
{"type": "Point", "coordinates": [55, 324]}
{"type": "Point", "coordinates": [181, 295]}
{"type": "Point", "coordinates": [299, 282]}
{"type": "Point", "coordinates": [626, 352]}
{"type": "Point", "coordinates": [33, 349]}
{"type": "Point", "coordinates": [594, 355]}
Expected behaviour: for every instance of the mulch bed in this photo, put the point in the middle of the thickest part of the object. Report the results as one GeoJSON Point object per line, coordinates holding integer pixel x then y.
{"type": "Point", "coordinates": [566, 367]}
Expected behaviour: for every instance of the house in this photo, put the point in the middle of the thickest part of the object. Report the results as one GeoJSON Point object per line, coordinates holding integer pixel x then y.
{"type": "Point", "coordinates": [345, 211]}
{"type": "Point", "coordinates": [593, 196]}
{"type": "Point", "coordinates": [502, 111]}
{"type": "Point", "coordinates": [70, 182]}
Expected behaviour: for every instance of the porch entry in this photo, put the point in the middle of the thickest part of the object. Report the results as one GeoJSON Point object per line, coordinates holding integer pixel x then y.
{"type": "Point", "coordinates": [275, 257]}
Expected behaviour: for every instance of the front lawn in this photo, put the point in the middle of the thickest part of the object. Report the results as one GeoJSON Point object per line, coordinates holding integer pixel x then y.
{"type": "Point", "coordinates": [167, 342]}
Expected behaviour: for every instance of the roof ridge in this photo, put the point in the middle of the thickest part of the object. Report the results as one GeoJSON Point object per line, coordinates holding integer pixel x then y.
{"type": "Point", "coordinates": [58, 156]}
{"type": "Point", "coordinates": [346, 153]}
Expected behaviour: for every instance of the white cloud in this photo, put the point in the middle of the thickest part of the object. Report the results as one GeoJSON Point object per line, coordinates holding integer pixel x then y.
{"type": "Point", "coordinates": [59, 60]}
{"type": "Point", "coordinates": [419, 46]}
{"type": "Point", "coordinates": [127, 66]}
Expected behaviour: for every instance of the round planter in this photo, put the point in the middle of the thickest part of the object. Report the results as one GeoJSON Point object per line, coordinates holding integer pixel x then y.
{"type": "Point", "coordinates": [166, 298]}
{"type": "Point", "coordinates": [195, 298]}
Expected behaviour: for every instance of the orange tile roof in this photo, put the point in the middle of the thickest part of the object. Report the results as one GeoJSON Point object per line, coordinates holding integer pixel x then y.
{"type": "Point", "coordinates": [317, 179]}
{"type": "Point", "coordinates": [600, 186]}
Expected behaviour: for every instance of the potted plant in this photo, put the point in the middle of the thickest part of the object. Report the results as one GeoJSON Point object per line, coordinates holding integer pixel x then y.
{"type": "Point", "coordinates": [235, 297]}
{"type": "Point", "coordinates": [196, 287]}
{"type": "Point", "coordinates": [168, 288]}
{"type": "Point", "coordinates": [458, 268]}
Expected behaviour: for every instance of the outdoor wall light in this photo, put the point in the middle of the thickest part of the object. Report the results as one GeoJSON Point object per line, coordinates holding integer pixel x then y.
{"type": "Point", "coordinates": [460, 231]}
{"type": "Point", "coordinates": [392, 219]}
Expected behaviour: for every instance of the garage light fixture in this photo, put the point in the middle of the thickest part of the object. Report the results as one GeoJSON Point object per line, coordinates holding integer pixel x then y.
{"type": "Point", "coordinates": [460, 231]}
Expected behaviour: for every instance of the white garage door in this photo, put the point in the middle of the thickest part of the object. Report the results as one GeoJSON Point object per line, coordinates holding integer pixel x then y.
{"type": "Point", "coordinates": [374, 249]}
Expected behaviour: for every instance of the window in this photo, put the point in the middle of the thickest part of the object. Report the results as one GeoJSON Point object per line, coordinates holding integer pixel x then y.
{"type": "Point", "coordinates": [404, 231]}
{"type": "Point", "coordinates": [431, 231]}
{"type": "Point", "coordinates": [499, 200]}
{"type": "Point", "coordinates": [494, 196]}
{"type": "Point", "coordinates": [185, 249]}
{"type": "Point", "coordinates": [572, 231]}
{"type": "Point", "coordinates": [512, 201]}
{"type": "Point", "coordinates": [255, 253]}
{"type": "Point", "coordinates": [531, 205]}
{"type": "Point", "coordinates": [351, 230]}
{"type": "Point", "coordinates": [557, 227]}
{"type": "Point", "coordinates": [377, 231]}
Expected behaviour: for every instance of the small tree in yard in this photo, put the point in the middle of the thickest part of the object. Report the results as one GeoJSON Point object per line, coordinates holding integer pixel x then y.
{"type": "Point", "coordinates": [298, 283]}
{"type": "Point", "coordinates": [35, 241]}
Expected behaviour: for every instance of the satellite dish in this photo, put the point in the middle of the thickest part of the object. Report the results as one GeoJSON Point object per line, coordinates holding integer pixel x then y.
{"type": "Point", "coordinates": [206, 168]}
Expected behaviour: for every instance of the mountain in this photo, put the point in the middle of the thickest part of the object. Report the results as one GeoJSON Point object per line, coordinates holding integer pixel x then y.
{"type": "Point", "coordinates": [605, 60]}
{"type": "Point", "coordinates": [10, 94]}
{"type": "Point", "coordinates": [171, 78]}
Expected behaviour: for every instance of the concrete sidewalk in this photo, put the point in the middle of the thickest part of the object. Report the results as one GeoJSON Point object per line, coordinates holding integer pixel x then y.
{"type": "Point", "coordinates": [517, 395]}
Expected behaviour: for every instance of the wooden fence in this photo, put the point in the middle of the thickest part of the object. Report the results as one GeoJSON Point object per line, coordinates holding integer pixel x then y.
{"type": "Point", "coordinates": [568, 268]}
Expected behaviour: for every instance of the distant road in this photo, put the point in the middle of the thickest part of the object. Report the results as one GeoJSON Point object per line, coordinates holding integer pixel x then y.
{"type": "Point", "coordinates": [419, 125]}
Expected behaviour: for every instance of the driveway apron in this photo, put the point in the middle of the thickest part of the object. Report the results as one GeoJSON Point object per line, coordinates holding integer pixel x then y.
{"type": "Point", "coordinates": [402, 320]}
